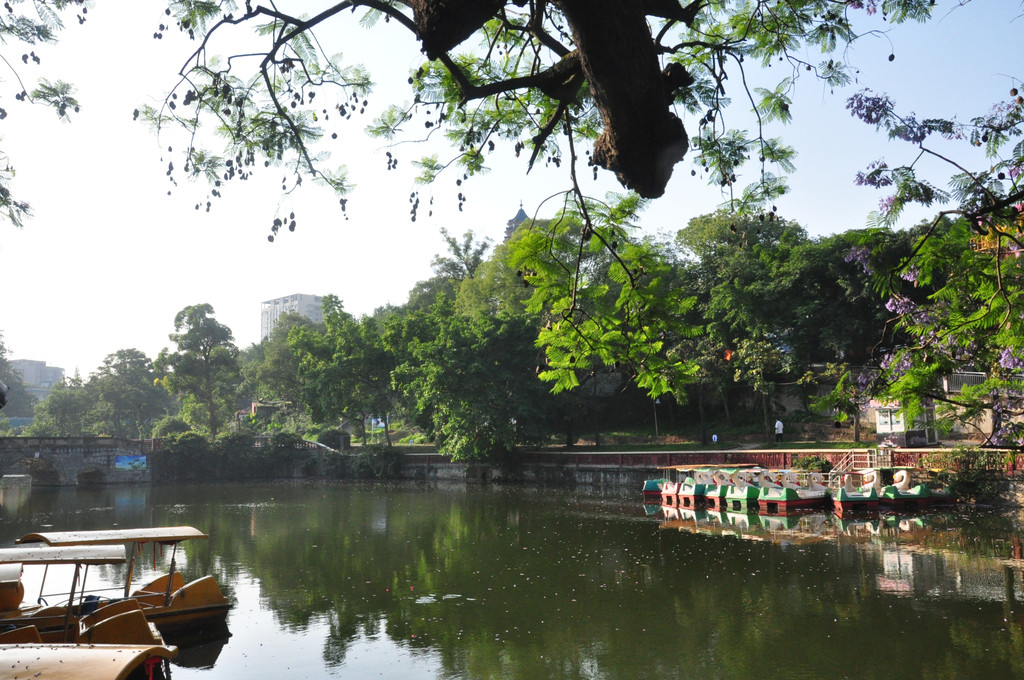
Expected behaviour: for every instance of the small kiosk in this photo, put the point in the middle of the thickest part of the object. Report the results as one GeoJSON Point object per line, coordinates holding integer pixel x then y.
{"type": "Point", "coordinates": [890, 426]}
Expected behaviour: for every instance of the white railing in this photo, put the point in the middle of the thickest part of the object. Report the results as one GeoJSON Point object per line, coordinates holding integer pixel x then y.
{"type": "Point", "coordinates": [956, 382]}
{"type": "Point", "coordinates": [858, 459]}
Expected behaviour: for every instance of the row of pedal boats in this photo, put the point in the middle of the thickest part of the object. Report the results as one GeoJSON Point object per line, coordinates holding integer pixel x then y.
{"type": "Point", "coordinates": [778, 492]}
{"type": "Point", "coordinates": [129, 633]}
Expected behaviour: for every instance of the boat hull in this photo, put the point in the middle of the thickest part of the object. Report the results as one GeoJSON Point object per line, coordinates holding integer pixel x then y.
{"type": "Point", "coordinates": [849, 508]}
{"type": "Point", "coordinates": [786, 500]}
{"type": "Point", "coordinates": [716, 498]}
{"type": "Point", "coordinates": [847, 503]}
{"type": "Point", "coordinates": [741, 499]}
{"type": "Point", "coordinates": [917, 497]}
{"type": "Point", "coordinates": [683, 494]}
{"type": "Point", "coordinates": [782, 507]}
{"type": "Point", "coordinates": [652, 490]}
{"type": "Point", "coordinates": [194, 608]}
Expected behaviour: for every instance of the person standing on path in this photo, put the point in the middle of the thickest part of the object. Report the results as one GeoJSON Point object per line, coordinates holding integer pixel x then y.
{"type": "Point", "coordinates": [778, 430]}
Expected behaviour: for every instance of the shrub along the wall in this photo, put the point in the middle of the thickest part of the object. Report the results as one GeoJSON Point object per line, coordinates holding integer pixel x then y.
{"type": "Point", "coordinates": [972, 474]}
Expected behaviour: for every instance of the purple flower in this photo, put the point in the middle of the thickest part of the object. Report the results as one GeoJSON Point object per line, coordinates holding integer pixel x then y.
{"type": "Point", "coordinates": [885, 205]}
{"type": "Point", "coordinates": [877, 175]}
{"type": "Point", "coordinates": [909, 130]}
{"type": "Point", "coordinates": [862, 381]}
{"type": "Point", "coordinates": [900, 305]}
{"type": "Point", "coordinates": [1010, 361]}
{"type": "Point", "coordinates": [869, 6]}
{"type": "Point", "coordinates": [897, 363]}
{"type": "Point", "coordinates": [870, 108]}
{"type": "Point", "coordinates": [862, 256]}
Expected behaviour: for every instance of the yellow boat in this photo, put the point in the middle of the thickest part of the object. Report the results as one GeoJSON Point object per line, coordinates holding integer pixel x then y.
{"type": "Point", "coordinates": [195, 610]}
{"type": "Point", "coordinates": [78, 620]}
{"type": "Point", "coordinates": [85, 662]}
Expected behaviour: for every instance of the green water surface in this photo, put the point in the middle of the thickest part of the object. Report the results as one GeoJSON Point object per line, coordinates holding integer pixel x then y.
{"type": "Point", "coordinates": [466, 581]}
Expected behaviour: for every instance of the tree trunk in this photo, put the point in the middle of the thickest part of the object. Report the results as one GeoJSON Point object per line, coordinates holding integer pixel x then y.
{"type": "Point", "coordinates": [443, 24]}
{"type": "Point", "coordinates": [642, 139]}
{"type": "Point", "coordinates": [700, 410]}
{"type": "Point", "coordinates": [211, 405]}
{"type": "Point", "coordinates": [764, 409]}
{"type": "Point", "coordinates": [725, 404]}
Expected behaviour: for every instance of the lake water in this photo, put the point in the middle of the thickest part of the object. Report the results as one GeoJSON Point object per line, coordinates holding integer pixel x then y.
{"type": "Point", "coordinates": [459, 582]}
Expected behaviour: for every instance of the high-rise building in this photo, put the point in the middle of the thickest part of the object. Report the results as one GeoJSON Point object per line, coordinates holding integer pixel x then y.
{"type": "Point", "coordinates": [308, 306]}
{"type": "Point", "coordinates": [39, 378]}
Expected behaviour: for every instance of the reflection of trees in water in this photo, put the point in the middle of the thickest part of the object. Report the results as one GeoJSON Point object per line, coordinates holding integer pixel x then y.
{"type": "Point", "coordinates": [345, 626]}
{"type": "Point", "coordinates": [517, 584]}
{"type": "Point", "coordinates": [526, 583]}
{"type": "Point", "coordinates": [534, 588]}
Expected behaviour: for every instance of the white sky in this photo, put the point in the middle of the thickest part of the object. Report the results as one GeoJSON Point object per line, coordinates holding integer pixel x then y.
{"type": "Point", "coordinates": [109, 258]}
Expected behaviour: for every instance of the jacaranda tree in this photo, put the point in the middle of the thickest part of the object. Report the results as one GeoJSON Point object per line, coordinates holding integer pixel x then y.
{"type": "Point", "coordinates": [628, 87]}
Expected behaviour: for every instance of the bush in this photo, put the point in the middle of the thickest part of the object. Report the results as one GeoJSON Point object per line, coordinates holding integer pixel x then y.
{"type": "Point", "coordinates": [41, 428]}
{"type": "Point", "coordinates": [186, 456]}
{"type": "Point", "coordinates": [187, 443]}
{"type": "Point", "coordinates": [236, 456]}
{"type": "Point", "coordinates": [813, 464]}
{"type": "Point", "coordinates": [233, 444]}
{"type": "Point", "coordinates": [375, 461]}
{"type": "Point", "coordinates": [286, 443]}
{"type": "Point", "coordinates": [169, 426]}
{"type": "Point", "coordinates": [328, 436]}
{"type": "Point", "coordinates": [970, 472]}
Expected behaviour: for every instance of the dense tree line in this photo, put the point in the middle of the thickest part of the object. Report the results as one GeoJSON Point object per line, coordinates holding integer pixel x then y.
{"type": "Point", "coordinates": [739, 304]}
{"type": "Point", "coordinates": [747, 311]}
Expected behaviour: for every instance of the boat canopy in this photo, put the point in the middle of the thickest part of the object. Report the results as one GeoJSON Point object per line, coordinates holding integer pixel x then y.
{"type": "Point", "coordinates": [10, 573]}
{"type": "Point", "coordinates": [115, 536]}
{"type": "Point", "coordinates": [79, 662]}
{"type": "Point", "coordinates": [72, 554]}
{"type": "Point", "coordinates": [710, 466]}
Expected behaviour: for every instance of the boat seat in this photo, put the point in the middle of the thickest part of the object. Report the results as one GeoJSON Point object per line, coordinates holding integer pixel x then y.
{"type": "Point", "coordinates": [20, 636]}
{"type": "Point", "coordinates": [159, 585]}
{"type": "Point", "coordinates": [203, 589]}
{"type": "Point", "coordinates": [52, 610]}
{"type": "Point", "coordinates": [110, 609]}
{"type": "Point", "coordinates": [126, 628]}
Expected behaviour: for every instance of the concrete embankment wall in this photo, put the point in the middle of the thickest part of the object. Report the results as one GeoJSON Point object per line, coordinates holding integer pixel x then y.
{"type": "Point", "coordinates": [596, 467]}
{"type": "Point", "coordinates": [612, 468]}
{"type": "Point", "coordinates": [535, 473]}
{"type": "Point", "coordinates": [630, 469]}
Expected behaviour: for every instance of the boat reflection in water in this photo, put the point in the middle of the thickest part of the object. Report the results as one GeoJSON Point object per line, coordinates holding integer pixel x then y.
{"type": "Point", "coordinates": [806, 527]}
{"type": "Point", "coordinates": [918, 553]}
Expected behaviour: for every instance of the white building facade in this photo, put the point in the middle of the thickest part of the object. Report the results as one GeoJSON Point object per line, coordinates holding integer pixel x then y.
{"type": "Point", "coordinates": [308, 306]}
{"type": "Point", "coordinates": [39, 378]}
